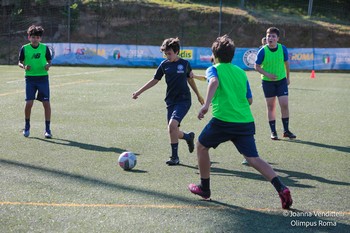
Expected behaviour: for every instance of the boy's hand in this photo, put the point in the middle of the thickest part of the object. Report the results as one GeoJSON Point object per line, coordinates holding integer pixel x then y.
{"type": "Point", "coordinates": [27, 67]}
{"type": "Point", "coordinates": [47, 67]}
{"type": "Point", "coordinates": [135, 95]}
{"type": "Point", "coordinates": [202, 112]}
{"type": "Point", "coordinates": [272, 76]}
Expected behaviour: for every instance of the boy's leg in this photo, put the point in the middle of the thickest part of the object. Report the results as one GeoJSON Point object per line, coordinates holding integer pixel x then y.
{"type": "Point", "coordinates": [27, 113]}
{"type": "Point", "coordinates": [189, 138]}
{"type": "Point", "coordinates": [47, 111]}
{"type": "Point", "coordinates": [173, 129]}
{"type": "Point", "coordinates": [266, 170]}
{"type": "Point", "coordinates": [261, 166]}
{"type": "Point", "coordinates": [203, 189]}
{"type": "Point", "coordinates": [283, 102]}
{"type": "Point", "coordinates": [271, 115]}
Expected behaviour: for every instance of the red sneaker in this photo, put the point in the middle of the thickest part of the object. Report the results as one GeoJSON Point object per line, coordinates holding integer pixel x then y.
{"type": "Point", "coordinates": [195, 189]}
{"type": "Point", "coordinates": [286, 198]}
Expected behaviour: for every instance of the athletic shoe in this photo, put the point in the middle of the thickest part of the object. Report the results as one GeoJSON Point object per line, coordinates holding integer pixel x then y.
{"type": "Point", "coordinates": [173, 161]}
{"type": "Point", "coordinates": [190, 142]}
{"type": "Point", "coordinates": [286, 198]}
{"type": "Point", "coordinates": [26, 133]}
{"type": "Point", "coordinates": [245, 162]}
{"type": "Point", "coordinates": [48, 134]}
{"type": "Point", "coordinates": [195, 189]}
{"type": "Point", "coordinates": [274, 136]}
{"type": "Point", "coordinates": [288, 134]}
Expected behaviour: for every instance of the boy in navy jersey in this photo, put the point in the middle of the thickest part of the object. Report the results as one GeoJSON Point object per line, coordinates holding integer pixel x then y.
{"type": "Point", "coordinates": [178, 73]}
{"type": "Point", "coordinates": [35, 59]}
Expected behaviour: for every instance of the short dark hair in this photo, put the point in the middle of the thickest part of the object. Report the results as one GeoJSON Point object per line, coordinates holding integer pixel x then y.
{"type": "Point", "coordinates": [273, 30]}
{"type": "Point", "coordinates": [35, 30]}
{"type": "Point", "coordinates": [171, 43]}
{"type": "Point", "coordinates": [223, 48]}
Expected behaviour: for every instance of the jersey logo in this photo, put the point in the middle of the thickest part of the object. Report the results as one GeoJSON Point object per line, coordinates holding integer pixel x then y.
{"type": "Point", "coordinates": [180, 69]}
{"type": "Point", "coordinates": [36, 55]}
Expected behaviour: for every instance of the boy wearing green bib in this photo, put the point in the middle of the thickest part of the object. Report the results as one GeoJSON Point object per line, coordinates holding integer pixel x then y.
{"type": "Point", "coordinates": [273, 65]}
{"type": "Point", "coordinates": [232, 121]}
{"type": "Point", "coordinates": [35, 59]}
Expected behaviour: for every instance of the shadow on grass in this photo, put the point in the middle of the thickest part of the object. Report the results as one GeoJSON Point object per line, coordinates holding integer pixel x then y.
{"type": "Point", "coordinates": [227, 217]}
{"type": "Point", "coordinates": [81, 145]}
{"type": "Point", "coordinates": [291, 175]}
{"type": "Point", "coordinates": [339, 148]}
{"type": "Point", "coordinates": [292, 179]}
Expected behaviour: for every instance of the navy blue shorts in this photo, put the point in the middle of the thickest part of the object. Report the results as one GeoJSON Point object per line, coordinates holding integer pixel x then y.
{"type": "Point", "coordinates": [275, 88]}
{"type": "Point", "coordinates": [39, 86]}
{"type": "Point", "coordinates": [178, 111]}
{"type": "Point", "coordinates": [241, 134]}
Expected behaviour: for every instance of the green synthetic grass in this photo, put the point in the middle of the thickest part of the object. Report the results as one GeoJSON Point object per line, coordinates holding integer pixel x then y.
{"type": "Point", "coordinates": [72, 183]}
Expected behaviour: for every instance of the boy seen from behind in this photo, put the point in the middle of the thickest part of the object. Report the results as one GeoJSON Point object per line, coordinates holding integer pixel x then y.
{"type": "Point", "coordinates": [232, 121]}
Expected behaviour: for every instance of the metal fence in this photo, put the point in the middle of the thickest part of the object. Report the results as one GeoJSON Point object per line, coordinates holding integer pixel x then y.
{"type": "Point", "coordinates": [130, 22]}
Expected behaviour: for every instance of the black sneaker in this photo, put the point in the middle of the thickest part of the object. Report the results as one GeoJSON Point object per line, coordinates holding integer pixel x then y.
{"type": "Point", "coordinates": [173, 161]}
{"type": "Point", "coordinates": [190, 142]}
{"type": "Point", "coordinates": [288, 134]}
{"type": "Point", "coordinates": [274, 136]}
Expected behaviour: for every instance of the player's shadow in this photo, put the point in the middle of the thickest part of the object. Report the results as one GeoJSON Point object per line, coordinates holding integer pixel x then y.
{"type": "Point", "coordinates": [296, 176]}
{"type": "Point", "coordinates": [291, 179]}
{"type": "Point", "coordinates": [81, 145]}
{"type": "Point", "coordinates": [345, 149]}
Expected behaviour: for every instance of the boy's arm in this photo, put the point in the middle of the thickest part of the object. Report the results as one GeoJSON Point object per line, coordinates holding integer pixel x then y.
{"type": "Point", "coordinates": [48, 58]}
{"type": "Point", "coordinates": [21, 60]}
{"type": "Point", "coordinates": [249, 94]}
{"type": "Point", "coordinates": [213, 85]}
{"type": "Point", "coordinates": [145, 87]}
{"type": "Point", "coordinates": [263, 72]}
{"type": "Point", "coordinates": [286, 64]}
{"type": "Point", "coordinates": [195, 89]}
{"type": "Point", "coordinates": [200, 77]}
{"type": "Point", "coordinates": [48, 65]}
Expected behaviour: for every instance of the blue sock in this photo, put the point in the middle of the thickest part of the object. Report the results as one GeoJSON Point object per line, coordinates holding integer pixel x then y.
{"type": "Point", "coordinates": [47, 126]}
{"type": "Point", "coordinates": [174, 147]}
{"type": "Point", "coordinates": [277, 183]}
{"type": "Point", "coordinates": [27, 124]}
{"type": "Point", "coordinates": [205, 184]}
{"type": "Point", "coordinates": [285, 122]}
{"type": "Point", "coordinates": [272, 125]}
{"type": "Point", "coordinates": [186, 136]}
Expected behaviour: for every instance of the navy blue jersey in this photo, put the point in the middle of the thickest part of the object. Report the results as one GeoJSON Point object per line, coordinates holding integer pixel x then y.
{"type": "Point", "coordinates": [176, 74]}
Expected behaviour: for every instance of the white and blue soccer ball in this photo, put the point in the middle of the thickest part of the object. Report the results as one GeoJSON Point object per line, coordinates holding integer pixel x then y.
{"type": "Point", "coordinates": [127, 160]}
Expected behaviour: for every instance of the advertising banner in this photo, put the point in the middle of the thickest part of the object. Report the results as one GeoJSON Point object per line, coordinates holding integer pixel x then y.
{"type": "Point", "coordinates": [199, 57]}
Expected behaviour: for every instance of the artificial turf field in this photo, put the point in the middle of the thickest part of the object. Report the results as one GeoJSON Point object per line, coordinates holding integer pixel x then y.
{"type": "Point", "coordinates": [72, 182]}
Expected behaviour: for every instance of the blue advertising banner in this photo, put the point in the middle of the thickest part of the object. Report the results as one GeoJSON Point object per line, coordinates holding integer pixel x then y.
{"type": "Point", "coordinates": [199, 57]}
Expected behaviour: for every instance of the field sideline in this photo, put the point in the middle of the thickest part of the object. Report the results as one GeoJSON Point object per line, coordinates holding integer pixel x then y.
{"type": "Point", "coordinates": [72, 183]}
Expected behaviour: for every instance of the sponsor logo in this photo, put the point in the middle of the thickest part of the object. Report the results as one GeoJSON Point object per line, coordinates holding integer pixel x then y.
{"type": "Point", "coordinates": [301, 56]}
{"type": "Point", "coordinates": [36, 55]}
{"type": "Point", "coordinates": [186, 54]}
{"type": "Point", "coordinates": [249, 57]}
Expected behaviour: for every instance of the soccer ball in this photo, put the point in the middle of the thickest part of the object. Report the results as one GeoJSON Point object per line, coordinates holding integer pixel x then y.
{"type": "Point", "coordinates": [127, 160]}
